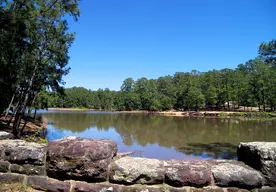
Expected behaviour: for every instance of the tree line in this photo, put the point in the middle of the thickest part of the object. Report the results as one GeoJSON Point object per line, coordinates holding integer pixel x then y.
{"type": "Point", "coordinates": [252, 84]}
{"type": "Point", "coordinates": [34, 44]}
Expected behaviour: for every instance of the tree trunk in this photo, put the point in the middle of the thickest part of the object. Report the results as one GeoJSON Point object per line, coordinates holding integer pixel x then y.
{"type": "Point", "coordinates": [22, 107]}
{"type": "Point", "coordinates": [7, 112]}
{"type": "Point", "coordinates": [35, 114]}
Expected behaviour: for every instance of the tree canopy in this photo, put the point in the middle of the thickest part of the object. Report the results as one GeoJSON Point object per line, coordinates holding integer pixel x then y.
{"type": "Point", "coordinates": [252, 84]}
{"type": "Point", "coordinates": [34, 41]}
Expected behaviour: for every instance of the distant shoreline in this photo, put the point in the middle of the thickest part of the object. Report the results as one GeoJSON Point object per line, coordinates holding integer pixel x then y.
{"type": "Point", "coordinates": [226, 114]}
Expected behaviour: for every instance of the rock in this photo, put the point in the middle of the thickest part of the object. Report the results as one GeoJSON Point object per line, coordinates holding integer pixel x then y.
{"type": "Point", "coordinates": [208, 190]}
{"type": "Point", "coordinates": [47, 184]}
{"type": "Point", "coordinates": [260, 156]}
{"type": "Point", "coordinates": [265, 189]}
{"type": "Point", "coordinates": [80, 159]}
{"type": "Point", "coordinates": [135, 170]}
{"type": "Point", "coordinates": [5, 135]}
{"type": "Point", "coordinates": [86, 187]}
{"type": "Point", "coordinates": [236, 190]}
{"type": "Point", "coordinates": [232, 175]}
{"type": "Point", "coordinates": [4, 166]}
{"type": "Point", "coordinates": [22, 152]}
{"type": "Point", "coordinates": [187, 173]}
{"type": "Point", "coordinates": [28, 169]}
{"type": "Point", "coordinates": [11, 178]}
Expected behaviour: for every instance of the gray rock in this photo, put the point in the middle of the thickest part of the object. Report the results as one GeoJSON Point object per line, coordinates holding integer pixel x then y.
{"type": "Point", "coordinates": [22, 152]}
{"type": "Point", "coordinates": [80, 159]}
{"type": "Point", "coordinates": [5, 135]}
{"type": "Point", "coordinates": [4, 166]}
{"type": "Point", "coordinates": [187, 173]}
{"type": "Point", "coordinates": [131, 170]}
{"type": "Point", "coordinates": [232, 175]}
{"type": "Point", "coordinates": [261, 156]}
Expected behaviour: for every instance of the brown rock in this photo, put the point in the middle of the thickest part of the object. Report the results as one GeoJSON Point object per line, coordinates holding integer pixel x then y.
{"type": "Point", "coordinates": [236, 190]}
{"type": "Point", "coordinates": [187, 173]}
{"type": "Point", "coordinates": [86, 187]}
{"type": "Point", "coordinates": [207, 190]}
{"type": "Point", "coordinates": [80, 159]}
{"type": "Point", "coordinates": [46, 184]}
{"type": "Point", "coordinates": [4, 166]}
{"type": "Point", "coordinates": [11, 178]}
{"type": "Point", "coordinates": [28, 169]}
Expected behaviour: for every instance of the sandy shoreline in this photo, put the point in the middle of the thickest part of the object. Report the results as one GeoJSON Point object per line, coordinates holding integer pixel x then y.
{"type": "Point", "coordinates": [171, 113]}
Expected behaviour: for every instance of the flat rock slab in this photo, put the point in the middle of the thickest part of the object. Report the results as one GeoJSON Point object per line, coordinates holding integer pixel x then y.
{"type": "Point", "coordinates": [187, 173]}
{"type": "Point", "coordinates": [260, 156]}
{"type": "Point", "coordinates": [28, 169]}
{"type": "Point", "coordinates": [233, 175]}
{"type": "Point", "coordinates": [135, 170]}
{"type": "Point", "coordinates": [47, 184]}
{"type": "Point", "coordinates": [22, 152]}
{"type": "Point", "coordinates": [80, 159]}
{"type": "Point", "coordinates": [5, 135]}
{"type": "Point", "coordinates": [86, 187]}
{"type": "Point", "coordinates": [11, 178]}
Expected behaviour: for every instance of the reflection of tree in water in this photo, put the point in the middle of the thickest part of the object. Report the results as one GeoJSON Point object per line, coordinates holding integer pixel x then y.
{"type": "Point", "coordinates": [214, 150]}
{"type": "Point", "coordinates": [176, 132]}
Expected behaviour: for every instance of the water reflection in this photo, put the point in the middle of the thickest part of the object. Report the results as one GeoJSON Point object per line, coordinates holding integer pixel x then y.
{"type": "Point", "coordinates": [163, 137]}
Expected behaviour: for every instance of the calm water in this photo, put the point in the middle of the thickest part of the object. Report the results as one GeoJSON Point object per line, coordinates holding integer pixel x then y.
{"type": "Point", "coordinates": [162, 137]}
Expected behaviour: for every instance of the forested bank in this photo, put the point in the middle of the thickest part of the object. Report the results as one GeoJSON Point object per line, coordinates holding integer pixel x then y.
{"type": "Point", "coordinates": [34, 44]}
{"type": "Point", "coordinates": [252, 84]}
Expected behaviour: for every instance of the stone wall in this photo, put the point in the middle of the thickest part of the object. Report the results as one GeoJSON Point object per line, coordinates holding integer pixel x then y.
{"type": "Point", "coordinates": [84, 165]}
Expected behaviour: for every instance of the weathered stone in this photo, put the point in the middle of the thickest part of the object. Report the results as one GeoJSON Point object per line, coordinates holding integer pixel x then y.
{"type": "Point", "coordinates": [11, 178]}
{"type": "Point", "coordinates": [231, 175]}
{"type": "Point", "coordinates": [80, 159]}
{"type": "Point", "coordinates": [22, 152]}
{"type": "Point", "coordinates": [187, 173]}
{"type": "Point", "coordinates": [207, 190]}
{"type": "Point", "coordinates": [5, 135]}
{"type": "Point", "coordinates": [4, 166]}
{"type": "Point", "coordinates": [28, 169]}
{"type": "Point", "coordinates": [131, 170]}
{"type": "Point", "coordinates": [265, 189]}
{"type": "Point", "coordinates": [186, 189]}
{"type": "Point", "coordinates": [86, 187]}
{"type": "Point", "coordinates": [236, 190]}
{"type": "Point", "coordinates": [260, 156]}
{"type": "Point", "coordinates": [47, 184]}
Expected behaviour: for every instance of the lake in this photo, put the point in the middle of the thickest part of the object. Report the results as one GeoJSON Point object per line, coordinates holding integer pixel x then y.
{"type": "Point", "coordinates": [161, 137]}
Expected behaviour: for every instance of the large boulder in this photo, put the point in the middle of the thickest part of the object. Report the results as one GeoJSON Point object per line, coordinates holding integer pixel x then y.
{"type": "Point", "coordinates": [235, 175]}
{"type": "Point", "coordinates": [187, 173]}
{"type": "Point", "coordinates": [135, 170]}
{"type": "Point", "coordinates": [80, 159]}
{"type": "Point", "coordinates": [5, 135]}
{"type": "Point", "coordinates": [260, 156]}
{"type": "Point", "coordinates": [22, 152]}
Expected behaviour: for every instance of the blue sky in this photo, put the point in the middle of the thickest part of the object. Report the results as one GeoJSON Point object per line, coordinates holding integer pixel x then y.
{"type": "Point", "coordinates": [116, 39]}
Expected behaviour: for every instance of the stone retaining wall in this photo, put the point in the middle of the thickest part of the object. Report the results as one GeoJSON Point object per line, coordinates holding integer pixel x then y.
{"type": "Point", "coordinates": [84, 165]}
